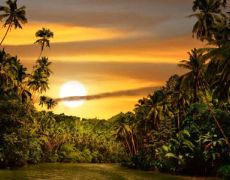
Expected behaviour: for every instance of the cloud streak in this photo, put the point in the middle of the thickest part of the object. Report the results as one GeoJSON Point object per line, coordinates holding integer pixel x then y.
{"type": "Point", "coordinates": [129, 14]}
{"type": "Point", "coordinates": [143, 46]}
{"type": "Point", "coordinates": [126, 93]}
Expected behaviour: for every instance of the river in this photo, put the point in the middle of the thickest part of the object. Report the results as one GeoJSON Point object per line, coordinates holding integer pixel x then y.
{"type": "Point", "coordinates": [63, 171]}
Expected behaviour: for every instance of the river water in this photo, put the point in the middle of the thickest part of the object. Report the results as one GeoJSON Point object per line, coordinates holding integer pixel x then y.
{"type": "Point", "coordinates": [63, 171]}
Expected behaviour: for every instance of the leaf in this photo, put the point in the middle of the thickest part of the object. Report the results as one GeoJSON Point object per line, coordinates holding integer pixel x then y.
{"type": "Point", "coordinates": [171, 155]}
{"type": "Point", "coordinates": [165, 148]}
{"type": "Point", "coordinates": [189, 144]}
{"type": "Point", "coordinates": [186, 132]}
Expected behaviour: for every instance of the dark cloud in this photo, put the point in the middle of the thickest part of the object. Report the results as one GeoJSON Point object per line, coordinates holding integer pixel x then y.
{"type": "Point", "coordinates": [117, 20]}
{"type": "Point", "coordinates": [126, 93]}
{"type": "Point", "coordinates": [131, 14]}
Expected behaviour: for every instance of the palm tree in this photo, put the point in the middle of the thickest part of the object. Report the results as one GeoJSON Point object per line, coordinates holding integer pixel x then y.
{"type": "Point", "coordinates": [38, 82]}
{"type": "Point", "coordinates": [48, 102]}
{"type": "Point", "coordinates": [221, 32]}
{"type": "Point", "coordinates": [13, 78]}
{"type": "Point", "coordinates": [6, 77]}
{"type": "Point", "coordinates": [218, 68]}
{"type": "Point", "coordinates": [196, 64]}
{"type": "Point", "coordinates": [125, 133]}
{"type": "Point", "coordinates": [14, 16]}
{"type": "Point", "coordinates": [208, 16]}
{"type": "Point", "coordinates": [39, 79]}
{"type": "Point", "coordinates": [195, 79]}
{"type": "Point", "coordinates": [43, 64]}
{"type": "Point", "coordinates": [218, 74]}
{"type": "Point", "coordinates": [43, 36]}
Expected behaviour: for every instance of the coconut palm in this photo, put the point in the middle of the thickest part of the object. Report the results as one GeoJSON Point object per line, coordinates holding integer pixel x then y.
{"type": "Point", "coordinates": [43, 64]}
{"type": "Point", "coordinates": [38, 82]}
{"type": "Point", "coordinates": [125, 133]}
{"type": "Point", "coordinates": [48, 102]}
{"type": "Point", "coordinates": [218, 72]}
{"type": "Point", "coordinates": [196, 64]}
{"type": "Point", "coordinates": [6, 77]}
{"type": "Point", "coordinates": [159, 113]}
{"type": "Point", "coordinates": [208, 15]}
{"type": "Point", "coordinates": [39, 79]}
{"type": "Point", "coordinates": [14, 16]}
{"type": "Point", "coordinates": [13, 78]}
{"type": "Point", "coordinates": [43, 36]}
{"type": "Point", "coordinates": [122, 136]}
{"type": "Point", "coordinates": [51, 103]}
{"type": "Point", "coordinates": [221, 32]}
{"type": "Point", "coordinates": [195, 79]}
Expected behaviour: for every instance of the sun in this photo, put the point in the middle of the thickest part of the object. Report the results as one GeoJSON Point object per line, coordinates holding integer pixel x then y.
{"type": "Point", "coordinates": [73, 88]}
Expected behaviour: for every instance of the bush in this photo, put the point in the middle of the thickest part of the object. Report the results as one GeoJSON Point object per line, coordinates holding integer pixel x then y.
{"type": "Point", "coordinates": [86, 154]}
{"type": "Point", "coordinates": [224, 172]}
{"type": "Point", "coordinates": [68, 153]}
{"type": "Point", "coordinates": [35, 151]}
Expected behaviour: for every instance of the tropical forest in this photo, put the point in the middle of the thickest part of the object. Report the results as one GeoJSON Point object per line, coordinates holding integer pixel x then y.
{"type": "Point", "coordinates": [180, 130]}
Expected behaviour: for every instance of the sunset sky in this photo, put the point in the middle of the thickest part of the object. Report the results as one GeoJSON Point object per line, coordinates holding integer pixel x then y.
{"type": "Point", "coordinates": [107, 45]}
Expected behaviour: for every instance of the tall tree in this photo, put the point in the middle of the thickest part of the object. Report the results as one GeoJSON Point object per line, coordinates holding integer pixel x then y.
{"type": "Point", "coordinates": [125, 133]}
{"type": "Point", "coordinates": [218, 68]}
{"type": "Point", "coordinates": [43, 36]}
{"type": "Point", "coordinates": [196, 64]}
{"type": "Point", "coordinates": [13, 78]}
{"type": "Point", "coordinates": [39, 79]}
{"type": "Point", "coordinates": [48, 102]}
{"type": "Point", "coordinates": [14, 16]}
{"type": "Point", "coordinates": [207, 13]}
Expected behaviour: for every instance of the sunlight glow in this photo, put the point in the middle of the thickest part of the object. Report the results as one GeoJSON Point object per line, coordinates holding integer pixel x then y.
{"type": "Point", "coordinates": [62, 33]}
{"type": "Point", "coordinates": [73, 88]}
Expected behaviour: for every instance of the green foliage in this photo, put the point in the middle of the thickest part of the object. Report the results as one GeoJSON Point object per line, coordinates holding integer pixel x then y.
{"type": "Point", "coordinates": [224, 172]}
{"type": "Point", "coordinates": [68, 153]}
{"type": "Point", "coordinates": [194, 79]}
{"type": "Point", "coordinates": [17, 127]}
{"type": "Point", "coordinates": [39, 79]}
{"type": "Point", "coordinates": [35, 151]}
{"type": "Point", "coordinates": [174, 155]}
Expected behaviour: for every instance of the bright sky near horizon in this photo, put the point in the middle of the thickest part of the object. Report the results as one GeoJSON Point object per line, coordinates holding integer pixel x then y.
{"type": "Point", "coordinates": [107, 45]}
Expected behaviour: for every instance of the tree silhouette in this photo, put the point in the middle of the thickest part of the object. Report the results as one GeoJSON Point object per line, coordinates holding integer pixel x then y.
{"type": "Point", "coordinates": [14, 16]}
{"type": "Point", "coordinates": [43, 36]}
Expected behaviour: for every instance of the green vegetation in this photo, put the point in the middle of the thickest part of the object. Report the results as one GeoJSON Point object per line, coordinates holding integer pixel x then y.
{"type": "Point", "coordinates": [182, 128]}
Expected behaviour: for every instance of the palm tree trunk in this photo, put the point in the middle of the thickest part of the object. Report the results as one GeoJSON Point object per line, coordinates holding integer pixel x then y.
{"type": "Point", "coordinates": [219, 126]}
{"type": "Point", "coordinates": [127, 143]}
{"type": "Point", "coordinates": [42, 48]}
{"type": "Point", "coordinates": [178, 121]}
{"type": "Point", "coordinates": [9, 27]}
{"type": "Point", "coordinates": [40, 54]}
{"type": "Point", "coordinates": [134, 145]}
{"type": "Point", "coordinates": [195, 91]}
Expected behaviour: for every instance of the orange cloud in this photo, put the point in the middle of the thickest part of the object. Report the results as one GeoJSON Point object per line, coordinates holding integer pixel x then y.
{"type": "Point", "coordinates": [131, 49]}
{"type": "Point", "coordinates": [62, 33]}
